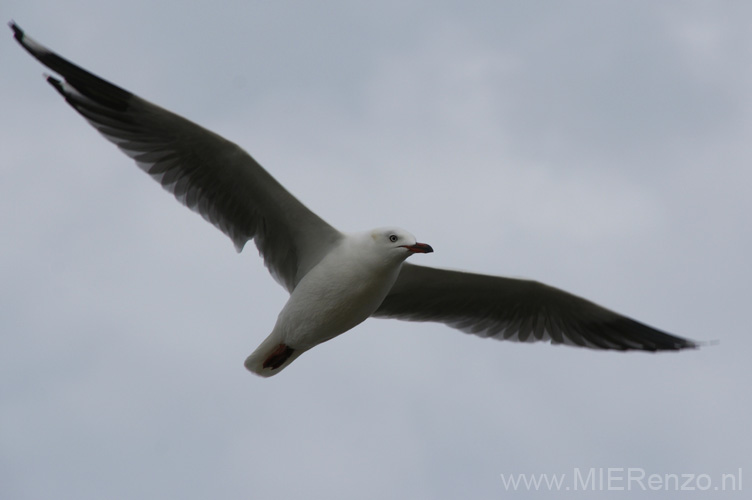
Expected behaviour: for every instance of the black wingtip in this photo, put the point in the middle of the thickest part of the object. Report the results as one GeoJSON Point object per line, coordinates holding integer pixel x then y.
{"type": "Point", "coordinates": [31, 46]}
{"type": "Point", "coordinates": [55, 82]}
{"type": "Point", "coordinates": [85, 83]}
{"type": "Point", "coordinates": [17, 31]}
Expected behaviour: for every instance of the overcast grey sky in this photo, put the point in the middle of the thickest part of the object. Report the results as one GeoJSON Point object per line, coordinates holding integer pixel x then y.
{"type": "Point", "coordinates": [601, 147]}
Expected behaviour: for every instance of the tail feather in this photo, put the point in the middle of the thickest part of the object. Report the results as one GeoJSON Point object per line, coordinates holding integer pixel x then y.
{"type": "Point", "coordinates": [271, 357]}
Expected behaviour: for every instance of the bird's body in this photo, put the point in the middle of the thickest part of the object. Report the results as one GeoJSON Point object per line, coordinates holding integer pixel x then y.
{"type": "Point", "coordinates": [340, 292]}
{"type": "Point", "coordinates": [335, 280]}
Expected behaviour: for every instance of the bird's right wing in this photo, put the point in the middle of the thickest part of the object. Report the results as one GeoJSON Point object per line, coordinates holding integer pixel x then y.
{"type": "Point", "coordinates": [515, 309]}
{"type": "Point", "coordinates": [204, 171]}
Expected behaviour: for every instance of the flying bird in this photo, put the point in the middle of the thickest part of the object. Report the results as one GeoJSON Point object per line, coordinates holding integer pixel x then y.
{"type": "Point", "coordinates": [335, 280]}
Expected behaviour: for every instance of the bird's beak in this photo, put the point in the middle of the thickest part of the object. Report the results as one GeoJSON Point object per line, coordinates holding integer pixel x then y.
{"type": "Point", "coordinates": [419, 248]}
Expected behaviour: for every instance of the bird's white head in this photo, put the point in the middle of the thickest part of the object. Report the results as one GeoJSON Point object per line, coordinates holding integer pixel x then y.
{"type": "Point", "coordinates": [397, 242]}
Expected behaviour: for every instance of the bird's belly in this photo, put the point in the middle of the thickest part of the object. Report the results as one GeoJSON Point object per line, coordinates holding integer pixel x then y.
{"type": "Point", "coordinates": [322, 307]}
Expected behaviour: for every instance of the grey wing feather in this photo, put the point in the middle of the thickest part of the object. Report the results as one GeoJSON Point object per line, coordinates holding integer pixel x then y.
{"type": "Point", "coordinates": [204, 171]}
{"type": "Point", "coordinates": [514, 309]}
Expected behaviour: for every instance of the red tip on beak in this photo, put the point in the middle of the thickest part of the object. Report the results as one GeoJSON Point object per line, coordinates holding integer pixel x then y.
{"type": "Point", "coordinates": [419, 248]}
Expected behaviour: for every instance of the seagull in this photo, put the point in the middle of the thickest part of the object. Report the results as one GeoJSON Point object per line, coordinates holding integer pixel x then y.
{"type": "Point", "coordinates": [336, 280]}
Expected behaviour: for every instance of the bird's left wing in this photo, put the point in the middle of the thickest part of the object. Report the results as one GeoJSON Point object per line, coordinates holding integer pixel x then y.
{"type": "Point", "coordinates": [514, 309]}
{"type": "Point", "coordinates": [204, 171]}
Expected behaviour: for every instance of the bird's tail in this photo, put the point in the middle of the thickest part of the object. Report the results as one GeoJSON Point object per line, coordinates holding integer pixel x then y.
{"type": "Point", "coordinates": [271, 357]}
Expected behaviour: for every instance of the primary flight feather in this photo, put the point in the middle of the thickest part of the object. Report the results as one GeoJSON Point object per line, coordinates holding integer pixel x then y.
{"type": "Point", "coordinates": [335, 280]}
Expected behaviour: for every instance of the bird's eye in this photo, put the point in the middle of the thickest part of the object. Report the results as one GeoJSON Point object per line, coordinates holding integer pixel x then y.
{"type": "Point", "coordinates": [393, 238]}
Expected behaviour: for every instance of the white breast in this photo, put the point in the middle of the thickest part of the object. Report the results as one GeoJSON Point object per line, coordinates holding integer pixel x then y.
{"type": "Point", "coordinates": [339, 293]}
